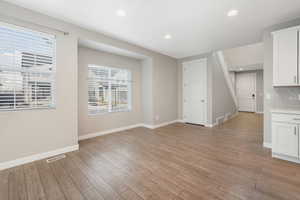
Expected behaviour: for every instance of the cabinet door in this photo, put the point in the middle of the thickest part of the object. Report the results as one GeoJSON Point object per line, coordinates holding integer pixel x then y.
{"type": "Point", "coordinates": [285, 139]}
{"type": "Point", "coordinates": [285, 58]}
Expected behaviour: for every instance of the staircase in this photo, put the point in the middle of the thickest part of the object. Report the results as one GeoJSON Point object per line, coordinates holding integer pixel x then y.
{"type": "Point", "coordinates": [219, 56]}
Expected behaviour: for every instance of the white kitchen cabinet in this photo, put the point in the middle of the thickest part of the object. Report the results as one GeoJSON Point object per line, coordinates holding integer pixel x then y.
{"type": "Point", "coordinates": [286, 57]}
{"type": "Point", "coordinates": [285, 139]}
{"type": "Point", "coordinates": [285, 135]}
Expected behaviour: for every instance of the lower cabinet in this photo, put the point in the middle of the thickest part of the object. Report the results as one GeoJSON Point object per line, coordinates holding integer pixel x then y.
{"type": "Point", "coordinates": [285, 137]}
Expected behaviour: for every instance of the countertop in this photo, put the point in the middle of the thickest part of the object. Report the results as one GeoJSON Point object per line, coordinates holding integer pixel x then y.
{"type": "Point", "coordinates": [286, 111]}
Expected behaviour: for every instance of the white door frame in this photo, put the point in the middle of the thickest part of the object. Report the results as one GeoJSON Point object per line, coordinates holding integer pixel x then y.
{"type": "Point", "coordinates": [255, 92]}
{"type": "Point", "coordinates": [206, 96]}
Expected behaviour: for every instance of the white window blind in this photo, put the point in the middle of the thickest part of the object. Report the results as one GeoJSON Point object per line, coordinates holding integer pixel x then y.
{"type": "Point", "coordinates": [27, 68]}
{"type": "Point", "coordinates": [109, 89]}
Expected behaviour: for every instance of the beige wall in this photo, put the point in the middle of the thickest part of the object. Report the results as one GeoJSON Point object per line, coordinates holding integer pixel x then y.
{"type": "Point", "coordinates": [165, 90]}
{"type": "Point", "coordinates": [101, 122]}
{"type": "Point", "coordinates": [27, 133]}
{"type": "Point", "coordinates": [147, 91]}
{"type": "Point", "coordinates": [250, 57]}
{"type": "Point", "coordinates": [259, 91]}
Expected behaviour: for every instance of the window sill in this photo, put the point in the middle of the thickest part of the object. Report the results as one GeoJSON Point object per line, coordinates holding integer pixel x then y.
{"type": "Point", "coordinates": [27, 109]}
{"type": "Point", "coordinates": [112, 112]}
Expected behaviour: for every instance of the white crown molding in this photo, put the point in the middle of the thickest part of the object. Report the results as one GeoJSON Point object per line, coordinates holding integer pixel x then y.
{"type": "Point", "coordinates": [35, 157]}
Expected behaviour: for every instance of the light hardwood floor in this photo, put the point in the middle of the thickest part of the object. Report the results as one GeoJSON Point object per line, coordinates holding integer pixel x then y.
{"type": "Point", "coordinates": [174, 162]}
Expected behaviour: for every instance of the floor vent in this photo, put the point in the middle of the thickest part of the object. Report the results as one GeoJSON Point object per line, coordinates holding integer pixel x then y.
{"type": "Point", "coordinates": [56, 158]}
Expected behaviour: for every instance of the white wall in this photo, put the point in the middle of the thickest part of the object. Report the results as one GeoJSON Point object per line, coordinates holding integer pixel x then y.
{"type": "Point", "coordinates": [259, 91]}
{"type": "Point", "coordinates": [28, 132]}
{"type": "Point", "coordinates": [101, 122]}
{"type": "Point", "coordinates": [40, 131]}
{"type": "Point", "coordinates": [250, 57]}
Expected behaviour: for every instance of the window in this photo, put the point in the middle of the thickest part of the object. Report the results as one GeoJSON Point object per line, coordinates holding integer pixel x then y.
{"type": "Point", "coordinates": [27, 68]}
{"type": "Point", "coordinates": [109, 89]}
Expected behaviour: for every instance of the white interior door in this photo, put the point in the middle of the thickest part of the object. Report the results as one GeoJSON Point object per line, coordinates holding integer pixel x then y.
{"type": "Point", "coordinates": [246, 91]}
{"type": "Point", "coordinates": [195, 92]}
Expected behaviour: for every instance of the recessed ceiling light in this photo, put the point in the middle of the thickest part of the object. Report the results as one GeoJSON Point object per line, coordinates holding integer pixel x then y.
{"type": "Point", "coordinates": [121, 13]}
{"type": "Point", "coordinates": [168, 36]}
{"type": "Point", "coordinates": [232, 13]}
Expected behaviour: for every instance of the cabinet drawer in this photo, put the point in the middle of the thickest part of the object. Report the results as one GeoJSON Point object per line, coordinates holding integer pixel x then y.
{"type": "Point", "coordinates": [289, 118]}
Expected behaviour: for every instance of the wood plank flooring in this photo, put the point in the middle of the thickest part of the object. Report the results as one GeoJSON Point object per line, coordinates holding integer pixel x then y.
{"type": "Point", "coordinates": [178, 162]}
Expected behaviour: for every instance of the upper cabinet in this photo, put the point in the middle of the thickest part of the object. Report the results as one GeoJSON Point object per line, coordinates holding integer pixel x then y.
{"type": "Point", "coordinates": [286, 57]}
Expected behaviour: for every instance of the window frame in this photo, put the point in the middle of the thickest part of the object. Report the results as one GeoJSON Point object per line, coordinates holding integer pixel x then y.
{"type": "Point", "coordinates": [129, 95]}
{"type": "Point", "coordinates": [52, 73]}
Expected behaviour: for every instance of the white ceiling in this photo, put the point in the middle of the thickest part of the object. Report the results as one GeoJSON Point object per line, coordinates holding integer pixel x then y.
{"type": "Point", "coordinates": [110, 49]}
{"type": "Point", "coordinates": [196, 26]}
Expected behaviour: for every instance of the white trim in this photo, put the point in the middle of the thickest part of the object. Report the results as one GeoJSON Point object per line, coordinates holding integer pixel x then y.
{"type": "Point", "coordinates": [267, 145]}
{"type": "Point", "coordinates": [196, 60]}
{"type": "Point", "coordinates": [32, 158]}
{"type": "Point", "coordinates": [234, 114]}
{"type": "Point", "coordinates": [92, 135]}
{"type": "Point", "coordinates": [96, 134]}
{"type": "Point", "coordinates": [225, 118]}
{"type": "Point", "coordinates": [285, 29]}
{"type": "Point", "coordinates": [162, 124]}
{"type": "Point", "coordinates": [259, 112]}
{"type": "Point", "coordinates": [220, 118]}
{"type": "Point", "coordinates": [180, 121]}
{"type": "Point", "coordinates": [203, 60]}
{"type": "Point", "coordinates": [210, 125]}
{"type": "Point", "coordinates": [287, 158]}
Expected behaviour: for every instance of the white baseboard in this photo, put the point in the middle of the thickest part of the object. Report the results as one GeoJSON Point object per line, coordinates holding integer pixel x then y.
{"type": "Point", "coordinates": [162, 124]}
{"type": "Point", "coordinates": [259, 112]}
{"type": "Point", "coordinates": [267, 145]}
{"type": "Point", "coordinates": [284, 157]}
{"type": "Point", "coordinates": [234, 115]}
{"type": "Point", "coordinates": [180, 121]}
{"type": "Point", "coordinates": [210, 125]}
{"type": "Point", "coordinates": [92, 135]}
{"type": "Point", "coordinates": [32, 158]}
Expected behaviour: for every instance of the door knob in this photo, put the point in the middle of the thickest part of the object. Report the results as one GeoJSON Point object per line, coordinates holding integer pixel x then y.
{"type": "Point", "coordinates": [253, 96]}
{"type": "Point", "coordinates": [202, 100]}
